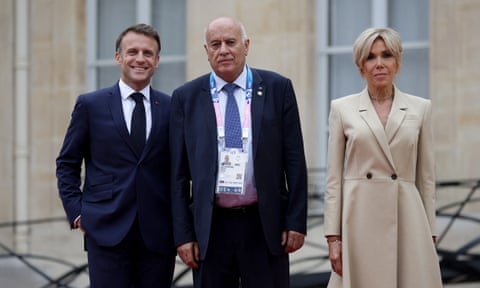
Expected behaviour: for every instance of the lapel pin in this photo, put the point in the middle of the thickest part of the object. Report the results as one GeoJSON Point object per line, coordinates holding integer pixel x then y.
{"type": "Point", "coordinates": [260, 92]}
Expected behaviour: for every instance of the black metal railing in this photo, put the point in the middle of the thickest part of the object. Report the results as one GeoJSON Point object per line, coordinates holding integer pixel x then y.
{"type": "Point", "coordinates": [461, 263]}
{"type": "Point", "coordinates": [33, 261]}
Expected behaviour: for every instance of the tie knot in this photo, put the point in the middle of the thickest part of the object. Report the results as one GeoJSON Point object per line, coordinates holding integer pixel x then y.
{"type": "Point", "coordinates": [229, 88]}
{"type": "Point", "coordinates": [138, 97]}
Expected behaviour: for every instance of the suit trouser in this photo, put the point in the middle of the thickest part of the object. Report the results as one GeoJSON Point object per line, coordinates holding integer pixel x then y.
{"type": "Point", "coordinates": [128, 264]}
{"type": "Point", "coordinates": [237, 252]}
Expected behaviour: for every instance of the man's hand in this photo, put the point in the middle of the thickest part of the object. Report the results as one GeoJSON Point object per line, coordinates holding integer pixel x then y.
{"type": "Point", "coordinates": [78, 224]}
{"type": "Point", "coordinates": [189, 253]}
{"type": "Point", "coordinates": [292, 241]}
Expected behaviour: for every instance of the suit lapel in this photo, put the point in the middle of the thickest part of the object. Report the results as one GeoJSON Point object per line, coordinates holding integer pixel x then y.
{"type": "Point", "coordinates": [369, 115]}
{"type": "Point", "coordinates": [157, 110]}
{"type": "Point", "coordinates": [116, 109]}
{"type": "Point", "coordinates": [115, 105]}
{"type": "Point", "coordinates": [258, 100]}
{"type": "Point", "coordinates": [207, 111]}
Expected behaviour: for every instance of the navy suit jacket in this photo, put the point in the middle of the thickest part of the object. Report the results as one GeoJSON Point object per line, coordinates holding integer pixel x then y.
{"type": "Point", "coordinates": [119, 184]}
{"type": "Point", "coordinates": [278, 155]}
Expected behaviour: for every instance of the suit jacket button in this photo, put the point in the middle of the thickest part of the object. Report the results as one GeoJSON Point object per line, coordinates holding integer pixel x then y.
{"type": "Point", "coordinates": [394, 176]}
{"type": "Point", "coordinates": [369, 175]}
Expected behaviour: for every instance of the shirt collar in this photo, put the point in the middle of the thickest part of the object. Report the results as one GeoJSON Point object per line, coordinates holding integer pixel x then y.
{"type": "Point", "coordinates": [126, 90]}
{"type": "Point", "coordinates": [241, 80]}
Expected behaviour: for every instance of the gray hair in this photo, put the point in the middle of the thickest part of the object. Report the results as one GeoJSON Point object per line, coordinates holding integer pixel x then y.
{"type": "Point", "coordinates": [242, 30]}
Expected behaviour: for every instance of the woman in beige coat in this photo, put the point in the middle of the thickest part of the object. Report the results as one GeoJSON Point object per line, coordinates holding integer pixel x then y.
{"type": "Point", "coordinates": [380, 196]}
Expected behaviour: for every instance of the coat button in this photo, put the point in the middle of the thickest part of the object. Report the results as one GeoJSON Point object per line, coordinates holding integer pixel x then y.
{"type": "Point", "coordinates": [369, 175]}
{"type": "Point", "coordinates": [394, 176]}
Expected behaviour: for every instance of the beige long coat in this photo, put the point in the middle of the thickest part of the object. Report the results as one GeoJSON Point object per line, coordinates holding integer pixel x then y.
{"type": "Point", "coordinates": [380, 194]}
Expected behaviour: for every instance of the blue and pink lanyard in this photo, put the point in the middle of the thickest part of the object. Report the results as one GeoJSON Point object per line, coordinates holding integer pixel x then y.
{"type": "Point", "coordinates": [218, 113]}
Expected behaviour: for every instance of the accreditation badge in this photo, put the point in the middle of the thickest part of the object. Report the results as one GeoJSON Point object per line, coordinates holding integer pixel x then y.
{"type": "Point", "coordinates": [231, 171]}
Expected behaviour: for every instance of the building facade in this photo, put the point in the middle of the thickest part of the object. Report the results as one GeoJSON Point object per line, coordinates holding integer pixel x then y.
{"type": "Point", "coordinates": [53, 50]}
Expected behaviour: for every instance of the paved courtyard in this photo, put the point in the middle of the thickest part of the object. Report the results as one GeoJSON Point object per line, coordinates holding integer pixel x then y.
{"type": "Point", "coordinates": [307, 265]}
{"type": "Point", "coordinates": [57, 252]}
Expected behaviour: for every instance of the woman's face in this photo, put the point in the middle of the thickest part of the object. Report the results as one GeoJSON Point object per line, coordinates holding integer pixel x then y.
{"type": "Point", "coordinates": [380, 67]}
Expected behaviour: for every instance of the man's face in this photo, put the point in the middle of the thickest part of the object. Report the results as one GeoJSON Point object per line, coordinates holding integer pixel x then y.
{"type": "Point", "coordinates": [138, 58]}
{"type": "Point", "coordinates": [225, 48]}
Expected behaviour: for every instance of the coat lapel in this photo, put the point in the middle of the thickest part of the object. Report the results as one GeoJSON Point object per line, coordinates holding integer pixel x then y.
{"type": "Point", "coordinates": [397, 114]}
{"type": "Point", "coordinates": [369, 115]}
{"type": "Point", "coordinates": [258, 101]}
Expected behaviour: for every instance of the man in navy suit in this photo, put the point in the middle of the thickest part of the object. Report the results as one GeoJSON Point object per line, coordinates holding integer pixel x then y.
{"type": "Point", "coordinates": [238, 222]}
{"type": "Point", "coordinates": [124, 209]}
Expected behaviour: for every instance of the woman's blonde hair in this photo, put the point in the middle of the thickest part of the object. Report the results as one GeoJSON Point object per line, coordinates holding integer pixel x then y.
{"type": "Point", "coordinates": [364, 42]}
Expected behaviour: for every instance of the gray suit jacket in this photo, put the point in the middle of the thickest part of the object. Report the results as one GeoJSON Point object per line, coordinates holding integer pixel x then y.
{"type": "Point", "coordinates": [278, 155]}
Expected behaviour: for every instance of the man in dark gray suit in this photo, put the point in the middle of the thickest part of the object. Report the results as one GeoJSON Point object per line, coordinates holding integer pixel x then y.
{"type": "Point", "coordinates": [238, 222]}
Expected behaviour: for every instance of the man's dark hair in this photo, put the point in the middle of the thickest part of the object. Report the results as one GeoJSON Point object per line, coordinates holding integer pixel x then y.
{"type": "Point", "coordinates": [144, 29]}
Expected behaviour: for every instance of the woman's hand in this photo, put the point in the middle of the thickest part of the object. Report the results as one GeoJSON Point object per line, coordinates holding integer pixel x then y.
{"type": "Point", "coordinates": [335, 253]}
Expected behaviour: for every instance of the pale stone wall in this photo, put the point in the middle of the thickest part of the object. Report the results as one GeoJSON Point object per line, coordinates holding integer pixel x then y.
{"type": "Point", "coordinates": [55, 67]}
{"type": "Point", "coordinates": [455, 86]}
{"type": "Point", "coordinates": [57, 77]}
{"type": "Point", "coordinates": [6, 116]}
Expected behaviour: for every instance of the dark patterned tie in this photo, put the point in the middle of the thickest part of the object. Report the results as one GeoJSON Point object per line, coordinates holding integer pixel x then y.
{"type": "Point", "coordinates": [138, 124]}
{"type": "Point", "coordinates": [233, 127]}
